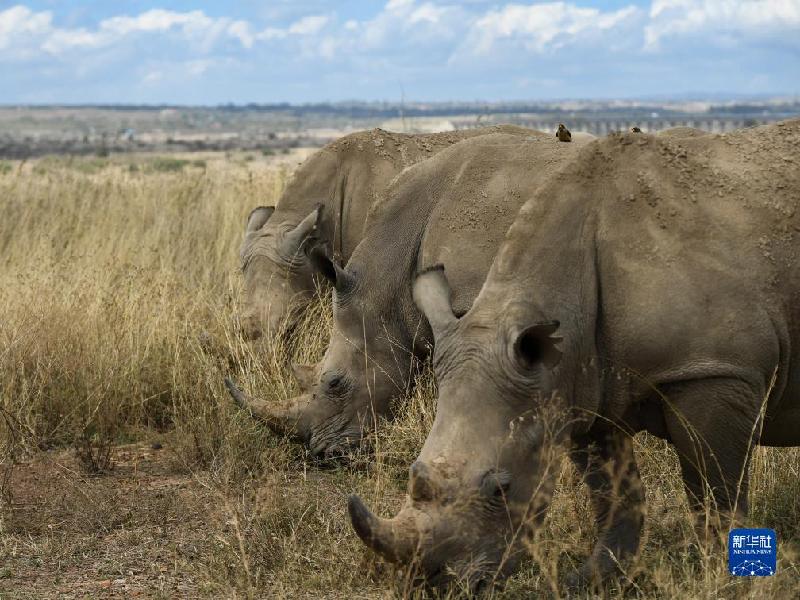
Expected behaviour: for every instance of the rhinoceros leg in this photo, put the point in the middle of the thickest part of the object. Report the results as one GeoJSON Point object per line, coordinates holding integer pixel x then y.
{"type": "Point", "coordinates": [713, 425]}
{"type": "Point", "coordinates": [609, 470]}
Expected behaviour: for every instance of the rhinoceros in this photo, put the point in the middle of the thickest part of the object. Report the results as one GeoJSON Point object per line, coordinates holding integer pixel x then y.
{"type": "Point", "coordinates": [453, 209]}
{"type": "Point", "coordinates": [327, 200]}
{"type": "Point", "coordinates": [651, 285]}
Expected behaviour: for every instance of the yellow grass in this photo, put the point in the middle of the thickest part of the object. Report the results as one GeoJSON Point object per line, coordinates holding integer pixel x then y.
{"type": "Point", "coordinates": [109, 275]}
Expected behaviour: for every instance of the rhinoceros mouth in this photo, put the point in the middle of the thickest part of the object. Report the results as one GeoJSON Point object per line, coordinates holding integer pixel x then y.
{"type": "Point", "coordinates": [472, 576]}
{"type": "Point", "coordinates": [333, 457]}
{"type": "Point", "coordinates": [335, 440]}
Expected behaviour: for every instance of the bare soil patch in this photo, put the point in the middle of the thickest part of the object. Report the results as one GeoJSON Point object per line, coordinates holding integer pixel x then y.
{"type": "Point", "coordinates": [137, 530]}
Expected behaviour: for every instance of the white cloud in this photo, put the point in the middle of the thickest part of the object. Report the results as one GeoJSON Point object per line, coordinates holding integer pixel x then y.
{"type": "Point", "coordinates": [404, 24]}
{"type": "Point", "coordinates": [399, 26]}
{"type": "Point", "coordinates": [158, 20]}
{"type": "Point", "coordinates": [427, 13]}
{"type": "Point", "coordinates": [272, 33]}
{"type": "Point", "coordinates": [309, 25]}
{"type": "Point", "coordinates": [194, 26]}
{"type": "Point", "coordinates": [464, 29]}
{"type": "Point", "coordinates": [61, 40]}
{"type": "Point", "coordinates": [481, 45]}
{"type": "Point", "coordinates": [154, 73]}
{"type": "Point", "coordinates": [25, 31]}
{"type": "Point", "coordinates": [538, 27]}
{"type": "Point", "coordinates": [242, 31]}
{"type": "Point", "coordinates": [673, 18]}
{"type": "Point", "coordinates": [20, 21]}
{"type": "Point", "coordinates": [305, 27]}
{"type": "Point", "coordinates": [398, 5]}
{"type": "Point", "coordinates": [18, 25]}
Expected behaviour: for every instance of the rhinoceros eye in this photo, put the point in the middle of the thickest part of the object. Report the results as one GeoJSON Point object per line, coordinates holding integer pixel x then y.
{"type": "Point", "coordinates": [495, 484]}
{"type": "Point", "coordinates": [333, 381]}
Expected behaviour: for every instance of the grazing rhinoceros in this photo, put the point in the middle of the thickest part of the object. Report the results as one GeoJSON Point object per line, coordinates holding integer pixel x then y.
{"type": "Point", "coordinates": [453, 209]}
{"type": "Point", "coordinates": [652, 285]}
{"type": "Point", "coordinates": [326, 200]}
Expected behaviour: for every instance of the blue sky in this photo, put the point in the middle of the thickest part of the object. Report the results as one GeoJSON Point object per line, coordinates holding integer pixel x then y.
{"type": "Point", "coordinates": [202, 52]}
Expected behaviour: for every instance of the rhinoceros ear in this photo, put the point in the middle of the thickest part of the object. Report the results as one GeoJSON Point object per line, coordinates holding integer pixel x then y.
{"type": "Point", "coordinates": [292, 241]}
{"type": "Point", "coordinates": [341, 280]}
{"type": "Point", "coordinates": [432, 296]}
{"type": "Point", "coordinates": [536, 345]}
{"type": "Point", "coordinates": [258, 217]}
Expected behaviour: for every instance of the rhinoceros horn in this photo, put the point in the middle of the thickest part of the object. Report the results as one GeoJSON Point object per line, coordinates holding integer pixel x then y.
{"type": "Point", "coordinates": [432, 296]}
{"type": "Point", "coordinates": [395, 539]}
{"type": "Point", "coordinates": [286, 420]}
{"type": "Point", "coordinates": [293, 240]}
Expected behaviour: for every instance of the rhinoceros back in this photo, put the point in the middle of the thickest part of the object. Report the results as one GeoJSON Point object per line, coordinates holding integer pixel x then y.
{"type": "Point", "coordinates": [487, 183]}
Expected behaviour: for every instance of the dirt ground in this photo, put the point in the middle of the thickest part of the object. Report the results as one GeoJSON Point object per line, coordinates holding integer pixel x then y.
{"type": "Point", "coordinates": [135, 531]}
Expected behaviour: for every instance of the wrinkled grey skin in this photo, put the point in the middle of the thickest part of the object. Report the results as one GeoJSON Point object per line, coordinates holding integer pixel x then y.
{"type": "Point", "coordinates": [652, 285]}
{"type": "Point", "coordinates": [453, 209]}
{"type": "Point", "coordinates": [326, 202]}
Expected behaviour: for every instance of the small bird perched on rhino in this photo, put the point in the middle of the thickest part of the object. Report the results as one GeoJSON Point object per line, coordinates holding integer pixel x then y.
{"type": "Point", "coordinates": [563, 133]}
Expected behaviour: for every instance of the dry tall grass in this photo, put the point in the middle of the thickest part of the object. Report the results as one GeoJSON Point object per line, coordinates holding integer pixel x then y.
{"type": "Point", "coordinates": [109, 274]}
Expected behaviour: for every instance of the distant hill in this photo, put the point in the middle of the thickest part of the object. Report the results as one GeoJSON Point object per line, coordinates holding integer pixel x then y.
{"type": "Point", "coordinates": [29, 131]}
